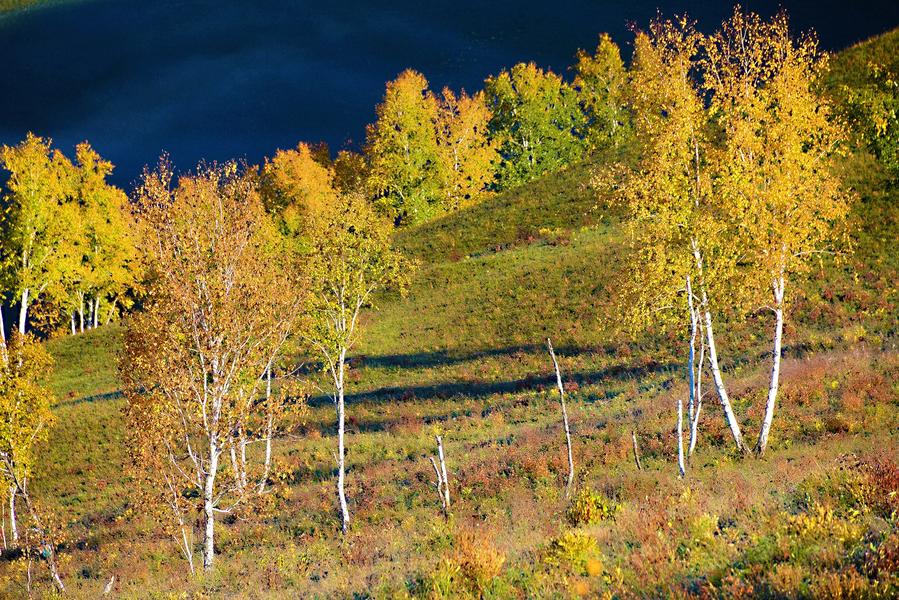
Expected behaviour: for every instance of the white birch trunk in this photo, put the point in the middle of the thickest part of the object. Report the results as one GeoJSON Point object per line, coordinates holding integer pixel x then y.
{"type": "Point", "coordinates": [694, 419]}
{"type": "Point", "coordinates": [13, 526]}
{"type": "Point", "coordinates": [269, 429]}
{"type": "Point", "coordinates": [96, 311]}
{"type": "Point", "coordinates": [552, 355]}
{"type": "Point", "coordinates": [111, 311]}
{"type": "Point", "coordinates": [680, 437]}
{"type": "Point", "coordinates": [636, 450]}
{"type": "Point", "coordinates": [778, 288]}
{"type": "Point", "coordinates": [81, 312]}
{"type": "Point", "coordinates": [208, 505]}
{"type": "Point", "coordinates": [694, 369]}
{"type": "Point", "coordinates": [713, 358]}
{"type": "Point", "coordinates": [23, 311]}
{"type": "Point", "coordinates": [446, 493]}
{"type": "Point", "coordinates": [341, 428]}
{"type": "Point", "coordinates": [439, 486]}
{"type": "Point", "coordinates": [3, 349]}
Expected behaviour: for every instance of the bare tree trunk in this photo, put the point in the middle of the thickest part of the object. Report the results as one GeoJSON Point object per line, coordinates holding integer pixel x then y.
{"type": "Point", "coordinates": [4, 355]}
{"type": "Point", "coordinates": [691, 377]}
{"type": "Point", "coordinates": [23, 311]}
{"type": "Point", "coordinates": [81, 312]}
{"type": "Point", "coordinates": [341, 492]}
{"type": "Point", "coordinates": [111, 312]}
{"type": "Point", "coordinates": [446, 492]}
{"type": "Point", "coordinates": [680, 437]}
{"type": "Point", "coordinates": [713, 358]}
{"type": "Point", "coordinates": [3, 525]}
{"type": "Point", "coordinates": [72, 319]}
{"type": "Point", "coordinates": [552, 355]}
{"type": "Point", "coordinates": [269, 428]}
{"type": "Point", "coordinates": [96, 310]}
{"type": "Point", "coordinates": [209, 506]}
{"type": "Point", "coordinates": [13, 526]}
{"type": "Point", "coordinates": [778, 288]}
{"type": "Point", "coordinates": [636, 450]}
{"type": "Point", "coordinates": [694, 419]}
{"type": "Point", "coordinates": [439, 485]}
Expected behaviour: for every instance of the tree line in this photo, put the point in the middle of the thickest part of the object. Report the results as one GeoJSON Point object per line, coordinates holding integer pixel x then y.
{"type": "Point", "coordinates": [242, 271]}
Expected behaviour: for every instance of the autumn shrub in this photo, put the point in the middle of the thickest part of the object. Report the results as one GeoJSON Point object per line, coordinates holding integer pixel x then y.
{"type": "Point", "coordinates": [590, 507]}
{"type": "Point", "coordinates": [468, 571]}
{"type": "Point", "coordinates": [572, 550]}
{"type": "Point", "coordinates": [847, 584]}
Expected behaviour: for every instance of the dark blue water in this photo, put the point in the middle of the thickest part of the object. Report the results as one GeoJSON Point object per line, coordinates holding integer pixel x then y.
{"type": "Point", "coordinates": [217, 79]}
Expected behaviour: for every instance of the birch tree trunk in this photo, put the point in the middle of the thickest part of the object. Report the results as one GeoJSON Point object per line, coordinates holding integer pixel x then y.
{"type": "Point", "coordinates": [446, 493]}
{"type": "Point", "coordinates": [3, 350]}
{"type": "Point", "coordinates": [552, 355]}
{"type": "Point", "coordinates": [691, 380]}
{"type": "Point", "coordinates": [23, 311]}
{"type": "Point", "coordinates": [96, 310]}
{"type": "Point", "coordinates": [778, 289]}
{"type": "Point", "coordinates": [209, 505]}
{"type": "Point", "coordinates": [269, 428]}
{"type": "Point", "coordinates": [713, 357]}
{"type": "Point", "coordinates": [636, 450]}
{"type": "Point", "coordinates": [341, 492]}
{"type": "Point", "coordinates": [13, 526]}
{"type": "Point", "coordinates": [680, 437]}
{"type": "Point", "coordinates": [81, 312]}
{"type": "Point", "coordinates": [694, 419]}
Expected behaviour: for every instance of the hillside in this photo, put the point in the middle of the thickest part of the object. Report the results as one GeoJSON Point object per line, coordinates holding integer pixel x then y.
{"type": "Point", "coordinates": [463, 355]}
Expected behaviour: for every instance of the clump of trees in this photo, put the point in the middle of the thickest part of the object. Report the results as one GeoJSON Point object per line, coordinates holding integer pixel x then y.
{"type": "Point", "coordinates": [68, 241]}
{"type": "Point", "coordinates": [226, 296]}
{"type": "Point", "coordinates": [735, 190]}
{"type": "Point", "coordinates": [428, 154]}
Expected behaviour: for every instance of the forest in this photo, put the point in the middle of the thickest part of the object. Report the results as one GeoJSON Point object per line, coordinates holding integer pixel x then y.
{"type": "Point", "coordinates": [628, 331]}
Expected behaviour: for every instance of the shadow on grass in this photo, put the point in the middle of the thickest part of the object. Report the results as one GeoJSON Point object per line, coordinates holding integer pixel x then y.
{"type": "Point", "coordinates": [483, 389]}
{"type": "Point", "coordinates": [441, 358]}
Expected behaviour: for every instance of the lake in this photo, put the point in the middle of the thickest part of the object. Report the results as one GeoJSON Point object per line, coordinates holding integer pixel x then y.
{"type": "Point", "coordinates": [237, 78]}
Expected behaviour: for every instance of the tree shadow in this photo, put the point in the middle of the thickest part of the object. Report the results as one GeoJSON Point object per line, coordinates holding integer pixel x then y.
{"type": "Point", "coordinates": [440, 358]}
{"type": "Point", "coordinates": [483, 389]}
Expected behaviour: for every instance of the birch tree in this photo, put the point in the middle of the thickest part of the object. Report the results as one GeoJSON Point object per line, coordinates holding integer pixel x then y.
{"type": "Point", "coordinates": [601, 83]}
{"type": "Point", "coordinates": [780, 142]}
{"type": "Point", "coordinates": [227, 294]}
{"type": "Point", "coordinates": [680, 244]}
{"type": "Point", "coordinates": [37, 217]}
{"type": "Point", "coordinates": [404, 159]}
{"type": "Point", "coordinates": [537, 123]}
{"type": "Point", "coordinates": [25, 421]}
{"type": "Point", "coordinates": [351, 258]}
{"type": "Point", "coordinates": [468, 154]}
{"type": "Point", "coordinates": [104, 264]}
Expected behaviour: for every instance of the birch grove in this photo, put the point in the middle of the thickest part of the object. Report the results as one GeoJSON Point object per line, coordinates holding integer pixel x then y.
{"type": "Point", "coordinates": [197, 357]}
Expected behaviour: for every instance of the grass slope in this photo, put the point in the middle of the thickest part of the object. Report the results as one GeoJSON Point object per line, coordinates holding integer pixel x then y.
{"type": "Point", "coordinates": [463, 355]}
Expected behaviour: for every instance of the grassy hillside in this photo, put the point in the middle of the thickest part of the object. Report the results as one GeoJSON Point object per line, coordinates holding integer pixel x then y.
{"type": "Point", "coordinates": [463, 355]}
